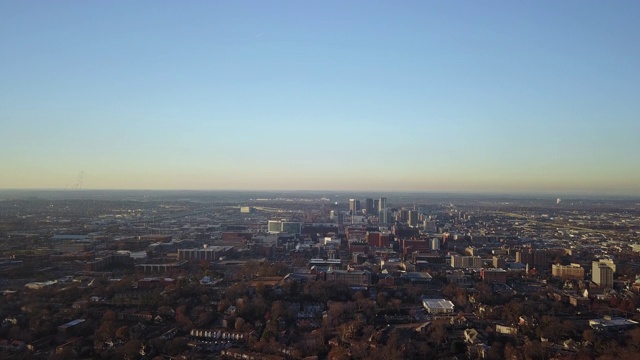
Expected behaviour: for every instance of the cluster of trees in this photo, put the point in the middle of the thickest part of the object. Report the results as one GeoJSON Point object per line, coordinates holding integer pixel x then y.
{"type": "Point", "coordinates": [351, 321]}
{"type": "Point", "coordinates": [252, 269]}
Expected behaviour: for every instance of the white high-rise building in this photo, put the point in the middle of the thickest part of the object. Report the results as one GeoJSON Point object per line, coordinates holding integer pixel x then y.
{"type": "Point", "coordinates": [383, 214]}
{"type": "Point", "coordinates": [353, 206]}
{"type": "Point", "coordinates": [602, 272]}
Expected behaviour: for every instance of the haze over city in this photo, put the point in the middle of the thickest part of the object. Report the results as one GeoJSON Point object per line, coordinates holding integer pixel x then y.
{"type": "Point", "coordinates": [494, 96]}
{"type": "Point", "coordinates": [334, 180]}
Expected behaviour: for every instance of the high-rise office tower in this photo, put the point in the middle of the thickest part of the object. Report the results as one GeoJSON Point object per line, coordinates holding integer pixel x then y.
{"type": "Point", "coordinates": [353, 206]}
{"type": "Point", "coordinates": [382, 211]}
{"type": "Point", "coordinates": [413, 218]}
{"type": "Point", "coordinates": [404, 215]}
{"type": "Point", "coordinates": [368, 206]}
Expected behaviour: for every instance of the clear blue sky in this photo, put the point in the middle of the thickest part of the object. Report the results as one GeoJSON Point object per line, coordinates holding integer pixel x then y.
{"type": "Point", "coordinates": [532, 96]}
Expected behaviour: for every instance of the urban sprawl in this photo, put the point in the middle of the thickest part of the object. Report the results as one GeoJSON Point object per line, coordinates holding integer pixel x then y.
{"type": "Point", "coordinates": [318, 276]}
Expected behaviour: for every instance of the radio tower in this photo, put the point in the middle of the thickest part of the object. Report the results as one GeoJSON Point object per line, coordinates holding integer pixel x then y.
{"type": "Point", "coordinates": [78, 184]}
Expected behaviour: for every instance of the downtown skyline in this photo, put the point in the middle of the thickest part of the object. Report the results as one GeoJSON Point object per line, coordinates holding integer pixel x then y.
{"type": "Point", "coordinates": [534, 97]}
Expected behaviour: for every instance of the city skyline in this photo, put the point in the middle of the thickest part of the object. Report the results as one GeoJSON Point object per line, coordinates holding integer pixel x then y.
{"type": "Point", "coordinates": [423, 96]}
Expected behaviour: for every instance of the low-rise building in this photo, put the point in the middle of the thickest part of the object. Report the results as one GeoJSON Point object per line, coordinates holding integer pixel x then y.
{"type": "Point", "coordinates": [438, 306]}
{"type": "Point", "coordinates": [40, 285]}
{"type": "Point", "coordinates": [350, 277]}
{"type": "Point", "coordinates": [211, 253]}
{"type": "Point", "coordinates": [494, 275]}
{"type": "Point", "coordinates": [609, 323]}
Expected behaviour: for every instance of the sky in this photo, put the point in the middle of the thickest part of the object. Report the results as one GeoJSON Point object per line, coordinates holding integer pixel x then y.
{"type": "Point", "coordinates": [474, 96]}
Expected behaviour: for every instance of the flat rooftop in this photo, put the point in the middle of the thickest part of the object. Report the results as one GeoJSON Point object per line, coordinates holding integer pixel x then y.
{"type": "Point", "coordinates": [438, 304]}
{"type": "Point", "coordinates": [611, 323]}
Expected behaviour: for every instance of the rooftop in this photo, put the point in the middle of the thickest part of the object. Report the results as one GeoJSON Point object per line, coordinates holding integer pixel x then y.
{"type": "Point", "coordinates": [71, 323]}
{"type": "Point", "coordinates": [438, 304]}
{"type": "Point", "coordinates": [611, 323]}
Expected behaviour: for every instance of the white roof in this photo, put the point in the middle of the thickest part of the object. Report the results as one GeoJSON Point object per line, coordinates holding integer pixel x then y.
{"type": "Point", "coordinates": [438, 304]}
{"type": "Point", "coordinates": [612, 322]}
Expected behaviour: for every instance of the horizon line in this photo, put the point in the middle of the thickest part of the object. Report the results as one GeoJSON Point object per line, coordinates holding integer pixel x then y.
{"type": "Point", "coordinates": [468, 192]}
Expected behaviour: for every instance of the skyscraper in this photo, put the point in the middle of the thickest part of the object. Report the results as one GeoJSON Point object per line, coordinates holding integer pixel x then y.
{"type": "Point", "coordinates": [382, 211]}
{"type": "Point", "coordinates": [413, 218]}
{"type": "Point", "coordinates": [404, 215]}
{"type": "Point", "coordinates": [353, 206]}
{"type": "Point", "coordinates": [368, 206]}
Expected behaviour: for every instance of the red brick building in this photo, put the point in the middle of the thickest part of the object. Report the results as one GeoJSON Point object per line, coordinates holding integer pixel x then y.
{"type": "Point", "coordinates": [494, 275]}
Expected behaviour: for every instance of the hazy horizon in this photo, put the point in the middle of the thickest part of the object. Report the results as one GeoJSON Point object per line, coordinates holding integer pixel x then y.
{"type": "Point", "coordinates": [491, 97]}
{"type": "Point", "coordinates": [324, 192]}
